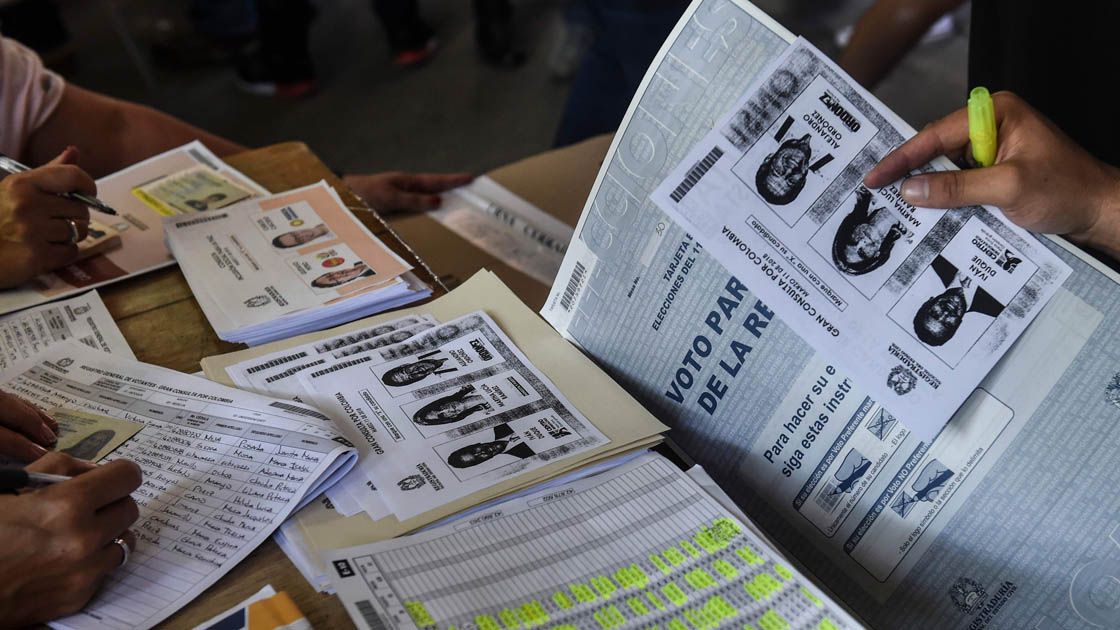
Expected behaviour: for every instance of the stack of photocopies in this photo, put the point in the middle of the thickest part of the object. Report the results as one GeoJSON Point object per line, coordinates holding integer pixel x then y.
{"type": "Point", "coordinates": [488, 402]}
{"type": "Point", "coordinates": [642, 545]}
{"type": "Point", "coordinates": [82, 318]}
{"type": "Point", "coordinates": [272, 267]}
{"type": "Point", "coordinates": [185, 180]}
{"type": "Point", "coordinates": [222, 468]}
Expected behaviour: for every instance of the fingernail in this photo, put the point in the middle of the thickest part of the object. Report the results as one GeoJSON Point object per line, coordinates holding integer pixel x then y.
{"type": "Point", "coordinates": [915, 189]}
{"type": "Point", "coordinates": [48, 436]}
{"type": "Point", "coordinates": [38, 450]}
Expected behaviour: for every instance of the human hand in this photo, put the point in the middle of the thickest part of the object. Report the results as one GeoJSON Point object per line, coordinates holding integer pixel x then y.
{"type": "Point", "coordinates": [1042, 180]}
{"type": "Point", "coordinates": [35, 234]}
{"type": "Point", "coordinates": [26, 432]}
{"type": "Point", "coordinates": [58, 540]}
{"type": "Point", "coordinates": [393, 192]}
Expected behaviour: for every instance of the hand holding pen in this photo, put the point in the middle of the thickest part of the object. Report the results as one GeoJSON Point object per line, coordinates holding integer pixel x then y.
{"type": "Point", "coordinates": [40, 220]}
{"type": "Point", "coordinates": [64, 538]}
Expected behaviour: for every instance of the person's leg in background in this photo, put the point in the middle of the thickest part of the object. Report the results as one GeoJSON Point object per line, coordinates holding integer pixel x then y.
{"type": "Point", "coordinates": [281, 63]}
{"type": "Point", "coordinates": [411, 40]}
{"type": "Point", "coordinates": [628, 34]}
{"type": "Point", "coordinates": [886, 32]}
{"type": "Point", "coordinates": [495, 34]}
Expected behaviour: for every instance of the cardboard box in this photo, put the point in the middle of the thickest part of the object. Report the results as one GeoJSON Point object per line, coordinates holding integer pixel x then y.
{"type": "Point", "coordinates": [556, 181]}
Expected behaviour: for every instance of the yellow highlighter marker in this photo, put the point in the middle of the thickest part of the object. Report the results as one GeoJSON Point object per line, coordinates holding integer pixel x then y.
{"type": "Point", "coordinates": [982, 126]}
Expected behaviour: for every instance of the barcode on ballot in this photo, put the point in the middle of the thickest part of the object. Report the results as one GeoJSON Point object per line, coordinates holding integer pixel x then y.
{"type": "Point", "coordinates": [369, 614]}
{"type": "Point", "coordinates": [275, 362]}
{"type": "Point", "coordinates": [302, 411]}
{"type": "Point", "coordinates": [696, 173]}
{"type": "Point", "coordinates": [574, 283]}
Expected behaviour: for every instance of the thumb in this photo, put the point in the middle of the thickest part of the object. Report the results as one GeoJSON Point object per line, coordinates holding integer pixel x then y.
{"type": "Point", "coordinates": [996, 186]}
{"type": "Point", "coordinates": [69, 155]}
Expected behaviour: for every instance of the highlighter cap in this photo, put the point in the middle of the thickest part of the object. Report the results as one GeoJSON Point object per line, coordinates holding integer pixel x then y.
{"type": "Point", "coordinates": [982, 130]}
{"type": "Point", "coordinates": [981, 112]}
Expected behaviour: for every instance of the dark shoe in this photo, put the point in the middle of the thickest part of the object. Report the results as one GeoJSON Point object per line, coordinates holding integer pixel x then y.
{"type": "Point", "coordinates": [495, 44]}
{"type": "Point", "coordinates": [283, 78]}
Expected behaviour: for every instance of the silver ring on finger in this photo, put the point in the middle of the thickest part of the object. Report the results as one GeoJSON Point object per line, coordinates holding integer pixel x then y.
{"type": "Point", "coordinates": [75, 234]}
{"type": "Point", "coordinates": [126, 552]}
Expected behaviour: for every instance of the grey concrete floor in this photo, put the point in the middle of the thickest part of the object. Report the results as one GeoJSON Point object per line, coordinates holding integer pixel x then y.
{"type": "Point", "coordinates": [454, 113]}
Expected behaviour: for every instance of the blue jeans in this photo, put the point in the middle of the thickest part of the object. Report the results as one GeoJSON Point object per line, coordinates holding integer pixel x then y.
{"type": "Point", "coordinates": [628, 34]}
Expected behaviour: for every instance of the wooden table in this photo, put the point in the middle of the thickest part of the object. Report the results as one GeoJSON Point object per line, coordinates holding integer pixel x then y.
{"type": "Point", "coordinates": [147, 308]}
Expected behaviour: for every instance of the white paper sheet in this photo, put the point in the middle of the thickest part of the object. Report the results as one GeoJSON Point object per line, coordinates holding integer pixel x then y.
{"type": "Point", "coordinates": [288, 263]}
{"type": "Point", "coordinates": [641, 545]}
{"type": "Point", "coordinates": [447, 413]}
{"type": "Point", "coordinates": [916, 304]}
{"type": "Point", "coordinates": [507, 227]}
{"type": "Point", "coordinates": [82, 318]}
{"type": "Point", "coordinates": [222, 469]}
{"type": "Point", "coordinates": [275, 373]}
{"type": "Point", "coordinates": [138, 223]}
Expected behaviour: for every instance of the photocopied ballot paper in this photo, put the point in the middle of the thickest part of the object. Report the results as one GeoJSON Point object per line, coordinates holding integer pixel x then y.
{"type": "Point", "coordinates": [275, 266]}
{"type": "Point", "coordinates": [507, 227]}
{"type": "Point", "coordinates": [137, 224]}
{"type": "Point", "coordinates": [82, 318]}
{"type": "Point", "coordinates": [639, 546]}
{"type": "Point", "coordinates": [626, 425]}
{"type": "Point", "coordinates": [916, 304]}
{"type": "Point", "coordinates": [448, 413]}
{"type": "Point", "coordinates": [275, 373]}
{"type": "Point", "coordinates": [222, 469]}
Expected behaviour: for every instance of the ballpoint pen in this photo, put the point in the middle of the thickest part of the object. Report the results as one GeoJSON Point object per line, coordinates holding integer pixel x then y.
{"type": "Point", "coordinates": [12, 166]}
{"type": "Point", "coordinates": [12, 479]}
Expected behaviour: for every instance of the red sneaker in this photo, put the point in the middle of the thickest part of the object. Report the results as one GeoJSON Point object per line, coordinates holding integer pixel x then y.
{"type": "Point", "coordinates": [416, 56]}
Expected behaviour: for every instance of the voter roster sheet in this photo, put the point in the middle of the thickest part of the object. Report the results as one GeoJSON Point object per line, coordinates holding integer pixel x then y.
{"type": "Point", "coordinates": [222, 469]}
{"type": "Point", "coordinates": [916, 304]}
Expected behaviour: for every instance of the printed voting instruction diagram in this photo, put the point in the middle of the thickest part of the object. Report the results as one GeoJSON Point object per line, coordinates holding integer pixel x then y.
{"type": "Point", "coordinates": [916, 304]}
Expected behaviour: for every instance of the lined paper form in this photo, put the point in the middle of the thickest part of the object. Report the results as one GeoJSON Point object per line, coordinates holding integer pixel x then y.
{"type": "Point", "coordinates": [222, 469]}
{"type": "Point", "coordinates": [638, 546]}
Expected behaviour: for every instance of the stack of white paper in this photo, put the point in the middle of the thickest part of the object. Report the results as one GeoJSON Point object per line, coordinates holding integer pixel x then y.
{"type": "Point", "coordinates": [222, 469]}
{"type": "Point", "coordinates": [273, 267]}
{"type": "Point", "coordinates": [642, 545]}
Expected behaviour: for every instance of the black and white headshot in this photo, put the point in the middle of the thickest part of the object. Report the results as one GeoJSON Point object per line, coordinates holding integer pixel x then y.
{"type": "Point", "coordinates": [505, 442]}
{"type": "Point", "coordinates": [452, 408]}
{"type": "Point", "coordinates": [409, 373]}
{"type": "Point", "coordinates": [939, 317]}
{"type": "Point", "coordinates": [866, 237]}
{"type": "Point", "coordinates": [781, 176]}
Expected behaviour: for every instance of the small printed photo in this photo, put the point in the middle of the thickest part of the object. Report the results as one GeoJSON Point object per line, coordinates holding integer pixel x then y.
{"type": "Point", "coordinates": [505, 445]}
{"type": "Point", "coordinates": [293, 226]}
{"type": "Point", "coordinates": [197, 189]}
{"type": "Point", "coordinates": [807, 146]}
{"type": "Point", "coordinates": [326, 270]}
{"type": "Point", "coordinates": [450, 408]}
{"type": "Point", "coordinates": [423, 366]}
{"type": "Point", "coordinates": [961, 294]}
{"type": "Point", "coordinates": [300, 236]}
{"type": "Point", "coordinates": [868, 237]}
{"type": "Point", "coordinates": [456, 358]}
